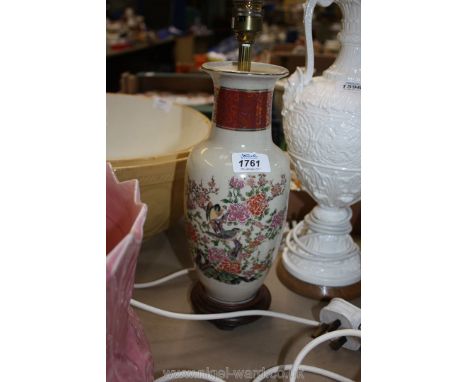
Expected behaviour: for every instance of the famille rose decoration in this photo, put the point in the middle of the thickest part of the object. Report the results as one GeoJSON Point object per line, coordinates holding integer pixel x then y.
{"type": "Point", "coordinates": [236, 194]}
{"type": "Point", "coordinates": [322, 124]}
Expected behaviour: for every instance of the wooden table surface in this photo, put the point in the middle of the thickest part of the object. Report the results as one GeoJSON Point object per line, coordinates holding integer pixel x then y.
{"type": "Point", "coordinates": [198, 345]}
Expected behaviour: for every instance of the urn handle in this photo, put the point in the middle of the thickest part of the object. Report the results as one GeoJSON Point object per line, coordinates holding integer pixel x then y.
{"type": "Point", "coordinates": [308, 13]}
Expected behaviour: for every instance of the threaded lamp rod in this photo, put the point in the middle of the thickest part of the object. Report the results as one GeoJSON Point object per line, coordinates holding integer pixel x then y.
{"type": "Point", "coordinates": [245, 57]}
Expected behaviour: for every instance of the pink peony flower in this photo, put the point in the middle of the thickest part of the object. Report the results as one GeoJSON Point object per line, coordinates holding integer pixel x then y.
{"type": "Point", "coordinates": [278, 219]}
{"type": "Point", "coordinates": [236, 183]}
{"type": "Point", "coordinates": [216, 255]}
{"type": "Point", "coordinates": [238, 212]}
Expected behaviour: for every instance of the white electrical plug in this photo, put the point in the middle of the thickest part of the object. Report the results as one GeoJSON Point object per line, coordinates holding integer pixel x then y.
{"type": "Point", "coordinates": [349, 316]}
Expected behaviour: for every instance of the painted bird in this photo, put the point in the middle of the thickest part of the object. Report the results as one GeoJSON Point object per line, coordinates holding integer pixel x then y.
{"type": "Point", "coordinates": [225, 235]}
{"type": "Point", "coordinates": [233, 253]}
{"type": "Point", "coordinates": [213, 211]}
{"type": "Point", "coordinates": [215, 217]}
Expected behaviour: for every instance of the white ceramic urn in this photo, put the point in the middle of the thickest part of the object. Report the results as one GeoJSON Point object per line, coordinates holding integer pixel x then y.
{"type": "Point", "coordinates": [237, 185]}
{"type": "Point", "coordinates": [322, 124]}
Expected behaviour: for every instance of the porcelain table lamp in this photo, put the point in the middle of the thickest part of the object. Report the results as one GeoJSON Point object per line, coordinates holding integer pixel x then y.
{"type": "Point", "coordinates": [322, 123]}
{"type": "Point", "coordinates": [237, 190]}
{"type": "Point", "coordinates": [237, 183]}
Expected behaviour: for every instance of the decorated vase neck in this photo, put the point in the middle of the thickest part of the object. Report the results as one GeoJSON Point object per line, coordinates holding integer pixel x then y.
{"type": "Point", "coordinates": [243, 100]}
{"type": "Point", "coordinates": [241, 109]}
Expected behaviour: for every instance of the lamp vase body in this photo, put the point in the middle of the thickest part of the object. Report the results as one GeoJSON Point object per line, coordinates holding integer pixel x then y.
{"type": "Point", "coordinates": [322, 123]}
{"type": "Point", "coordinates": [237, 186]}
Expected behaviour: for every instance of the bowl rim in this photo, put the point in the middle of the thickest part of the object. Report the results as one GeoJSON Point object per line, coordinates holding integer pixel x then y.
{"type": "Point", "coordinates": [129, 164]}
{"type": "Point", "coordinates": [159, 159]}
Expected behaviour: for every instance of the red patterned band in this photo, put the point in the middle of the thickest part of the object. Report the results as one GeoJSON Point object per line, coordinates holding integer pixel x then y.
{"type": "Point", "coordinates": [247, 110]}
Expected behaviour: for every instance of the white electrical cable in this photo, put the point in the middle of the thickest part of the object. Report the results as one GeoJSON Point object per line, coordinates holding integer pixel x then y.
{"type": "Point", "coordinates": [215, 316]}
{"type": "Point", "coordinates": [218, 316]}
{"type": "Point", "coordinates": [295, 367]}
{"type": "Point", "coordinates": [188, 374]}
{"type": "Point", "coordinates": [314, 343]}
{"type": "Point", "coordinates": [163, 279]}
{"type": "Point", "coordinates": [308, 369]}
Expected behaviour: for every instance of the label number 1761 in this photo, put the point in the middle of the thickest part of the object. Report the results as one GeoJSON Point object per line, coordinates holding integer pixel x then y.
{"type": "Point", "coordinates": [249, 163]}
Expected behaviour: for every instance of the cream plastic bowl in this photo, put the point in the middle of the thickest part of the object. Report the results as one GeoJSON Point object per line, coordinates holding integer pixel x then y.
{"type": "Point", "coordinates": [150, 141]}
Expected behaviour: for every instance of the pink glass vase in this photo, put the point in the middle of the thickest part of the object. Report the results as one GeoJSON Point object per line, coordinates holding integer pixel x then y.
{"type": "Point", "coordinates": [128, 351]}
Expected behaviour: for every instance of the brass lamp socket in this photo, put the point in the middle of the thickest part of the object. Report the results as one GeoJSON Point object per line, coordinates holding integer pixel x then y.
{"type": "Point", "coordinates": [247, 23]}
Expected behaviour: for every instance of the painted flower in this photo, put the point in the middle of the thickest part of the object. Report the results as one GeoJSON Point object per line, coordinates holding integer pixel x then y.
{"type": "Point", "coordinates": [261, 238]}
{"type": "Point", "coordinates": [276, 190]}
{"type": "Point", "coordinates": [212, 183]}
{"type": "Point", "coordinates": [257, 204]}
{"type": "Point", "coordinates": [202, 200]}
{"type": "Point", "coordinates": [248, 274]}
{"type": "Point", "coordinates": [238, 212]}
{"type": "Point", "coordinates": [215, 255]}
{"type": "Point", "coordinates": [258, 240]}
{"type": "Point", "coordinates": [191, 232]}
{"type": "Point", "coordinates": [254, 244]}
{"type": "Point", "coordinates": [236, 183]}
{"type": "Point", "coordinates": [259, 267]}
{"type": "Point", "coordinates": [190, 204]}
{"type": "Point", "coordinates": [258, 224]}
{"type": "Point", "coordinates": [245, 266]}
{"type": "Point", "coordinates": [243, 255]}
{"type": "Point", "coordinates": [262, 179]}
{"type": "Point", "coordinates": [278, 219]}
{"type": "Point", "coordinates": [230, 267]}
{"type": "Point", "coordinates": [250, 181]}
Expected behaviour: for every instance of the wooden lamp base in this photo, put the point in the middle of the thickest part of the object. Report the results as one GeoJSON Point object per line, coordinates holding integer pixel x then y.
{"type": "Point", "coordinates": [316, 292]}
{"type": "Point", "coordinates": [203, 304]}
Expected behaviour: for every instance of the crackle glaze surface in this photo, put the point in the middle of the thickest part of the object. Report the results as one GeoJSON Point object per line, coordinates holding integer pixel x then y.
{"type": "Point", "coordinates": [322, 124]}
{"type": "Point", "coordinates": [234, 219]}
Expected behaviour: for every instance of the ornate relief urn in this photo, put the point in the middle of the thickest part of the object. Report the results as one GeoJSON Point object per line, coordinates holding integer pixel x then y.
{"type": "Point", "coordinates": [236, 192]}
{"type": "Point", "coordinates": [322, 123]}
